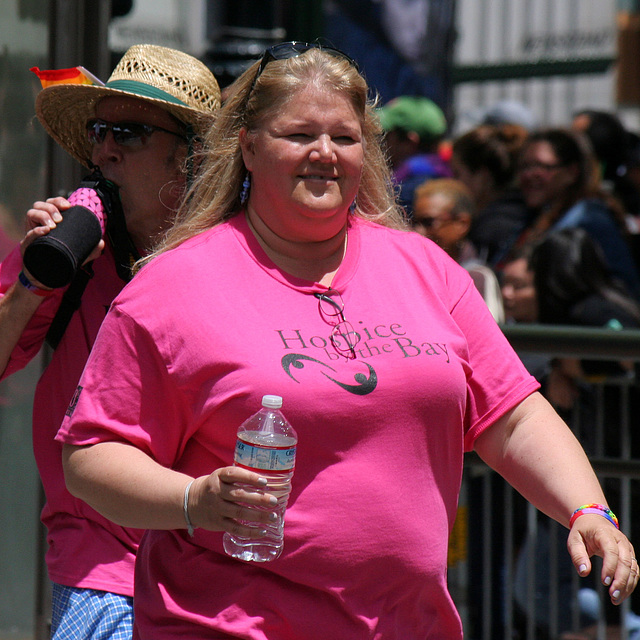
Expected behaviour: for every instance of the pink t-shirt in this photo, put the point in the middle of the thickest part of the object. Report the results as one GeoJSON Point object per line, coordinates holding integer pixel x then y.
{"type": "Point", "coordinates": [84, 549]}
{"type": "Point", "coordinates": [205, 330]}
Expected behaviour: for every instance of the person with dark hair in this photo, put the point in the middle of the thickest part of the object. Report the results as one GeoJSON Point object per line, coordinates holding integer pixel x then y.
{"type": "Point", "coordinates": [574, 287]}
{"type": "Point", "coordinates": [633, 168]}
{"type": "Point", "coordinates": [143, 129]}
{"type": "Point", "coordinates": [574, 284]}
{"type": "Point", "coordinates": [290, 269]}
{"type": "Point", "coordinates": [518, 288]}
{"type": "Point", "coordinates": [558, 179]}
{"type": "Point", "coordinates": [484, 159]}
{"type": "Point", "coordinates": [612, 145]}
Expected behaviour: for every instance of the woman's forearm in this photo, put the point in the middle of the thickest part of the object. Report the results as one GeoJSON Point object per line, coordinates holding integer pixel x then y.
{"type": "Point", "coordinates": [17, 307]}
{"type": "Point", "coordinates": [125, 485]}
{"type": "Point", "coordinates": [536, 452]}
{"type": "Point", "coordinates": [131, 489]}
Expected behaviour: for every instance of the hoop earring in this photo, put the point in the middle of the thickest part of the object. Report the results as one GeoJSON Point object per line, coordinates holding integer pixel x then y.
{"type": "Point", "coordinates": [246, 186]}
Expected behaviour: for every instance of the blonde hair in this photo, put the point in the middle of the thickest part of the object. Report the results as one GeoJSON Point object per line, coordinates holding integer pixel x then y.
{"type": "Point", "coordinates": [215, 193]}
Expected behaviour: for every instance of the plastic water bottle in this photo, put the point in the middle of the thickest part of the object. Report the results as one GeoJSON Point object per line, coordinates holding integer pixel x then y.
{"type": "Point", "coordinates": [266, 444]}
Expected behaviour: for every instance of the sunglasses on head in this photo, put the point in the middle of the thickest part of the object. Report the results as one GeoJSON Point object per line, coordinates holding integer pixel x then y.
{"type": "Point", "coordinates": [293, 49]}
{"type": "Point", "coordinates": [127, 134]}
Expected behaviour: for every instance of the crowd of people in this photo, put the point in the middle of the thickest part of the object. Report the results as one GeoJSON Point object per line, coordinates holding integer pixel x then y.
{"type": "Point", "coordinates": [528, 183]}
{"type": "Point", "coordinates": [237, 221]}
{"type": "Point", "coordinates": [553, 215]}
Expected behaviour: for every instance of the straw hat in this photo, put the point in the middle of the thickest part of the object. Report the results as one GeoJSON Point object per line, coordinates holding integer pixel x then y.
{"type": "Point", "coordinates": [173, 80]}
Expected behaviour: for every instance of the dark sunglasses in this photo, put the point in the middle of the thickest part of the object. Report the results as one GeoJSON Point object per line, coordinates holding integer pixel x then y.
{"type": "Point", "coordinates": [432, 223]}
{"type": "Point", "coordinates": [127, 134]}
{"type": "Point", "coordinates": [293, 49]}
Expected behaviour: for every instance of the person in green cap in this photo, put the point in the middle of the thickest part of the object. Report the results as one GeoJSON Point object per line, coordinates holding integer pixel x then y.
{"type": "Point", "coordinates": [415, 127]}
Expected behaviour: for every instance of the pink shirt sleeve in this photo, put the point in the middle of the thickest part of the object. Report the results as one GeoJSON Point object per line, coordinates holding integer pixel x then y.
{"type": "Point", "coordinates": [132, 402]}
{"type": "Point", "coordinates": [34, 335]}
{"type": "Point", "coordinates": [497, 379]}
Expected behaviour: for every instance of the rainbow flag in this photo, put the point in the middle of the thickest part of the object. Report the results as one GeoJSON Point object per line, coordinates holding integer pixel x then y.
{"type": "Point", "coordinates": [75, 75]}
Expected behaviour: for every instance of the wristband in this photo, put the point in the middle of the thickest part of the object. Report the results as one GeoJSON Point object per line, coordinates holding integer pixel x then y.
{"type": "Point", "coordinates": [598, 509]}
{"type": "Point", "coordinates": [29, 286]}
{"type": "Point", "coordinates": [185, 508]}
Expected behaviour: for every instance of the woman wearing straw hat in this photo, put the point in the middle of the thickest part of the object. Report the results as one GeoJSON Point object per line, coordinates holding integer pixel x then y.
{"type": "Point", "coordinates": [389, 363]}
{"type": "Point", "coordinates": [140, 129]}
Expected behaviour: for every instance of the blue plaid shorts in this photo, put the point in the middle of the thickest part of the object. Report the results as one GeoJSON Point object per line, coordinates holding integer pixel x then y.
{"type": "Point", "coordinates": [86, 614]}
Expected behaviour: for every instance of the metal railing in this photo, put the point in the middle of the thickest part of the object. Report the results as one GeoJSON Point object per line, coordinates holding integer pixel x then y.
{"type": "Point", "coordinates": [509, 570]}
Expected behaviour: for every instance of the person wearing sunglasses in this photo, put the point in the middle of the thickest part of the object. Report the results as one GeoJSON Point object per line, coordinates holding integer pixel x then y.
{"type": "Point", "coordinates": [290, 271]}
{"type": "Point", "coordinates": [141, 129]}
{"type": "Point", "coordinates": [443, 211]}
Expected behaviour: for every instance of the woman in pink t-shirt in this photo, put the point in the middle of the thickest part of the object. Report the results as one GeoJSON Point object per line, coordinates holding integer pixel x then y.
{"type": "Point", "coordinates": [296, 204]}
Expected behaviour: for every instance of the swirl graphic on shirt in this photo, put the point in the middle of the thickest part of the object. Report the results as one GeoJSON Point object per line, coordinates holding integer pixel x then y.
{"type": "Point", "coordinates": [365, 384]}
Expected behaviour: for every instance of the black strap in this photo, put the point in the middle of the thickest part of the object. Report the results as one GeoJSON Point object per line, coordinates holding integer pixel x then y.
{"type": "Point", "coordinates": [69, 305]}
{"type": "Point", "coordinates": [124, 251]}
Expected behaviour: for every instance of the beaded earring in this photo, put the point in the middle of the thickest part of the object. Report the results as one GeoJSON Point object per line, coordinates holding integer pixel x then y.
{"type": "Point", "coordinates": [246, 185]}
{"type": "Point", "coordinates": [352, 206]}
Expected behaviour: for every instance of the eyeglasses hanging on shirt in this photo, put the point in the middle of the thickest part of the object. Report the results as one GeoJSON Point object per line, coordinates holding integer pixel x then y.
{"type": "Point", "coordinates": [344, 337]}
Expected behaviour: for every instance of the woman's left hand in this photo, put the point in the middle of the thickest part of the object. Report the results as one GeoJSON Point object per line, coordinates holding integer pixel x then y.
{"type": "Point", "coordinates": [593, 535]}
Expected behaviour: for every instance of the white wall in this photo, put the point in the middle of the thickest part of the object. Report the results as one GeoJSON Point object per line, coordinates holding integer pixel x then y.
{"type": "Point", "coordinates": [512, 31]}
{"type": "Point", "coordinates": [171, 23]}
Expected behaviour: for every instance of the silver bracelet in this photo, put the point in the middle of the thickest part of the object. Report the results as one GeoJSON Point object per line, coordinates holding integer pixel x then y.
{"type": "Point", "coordinates": [185, 508]}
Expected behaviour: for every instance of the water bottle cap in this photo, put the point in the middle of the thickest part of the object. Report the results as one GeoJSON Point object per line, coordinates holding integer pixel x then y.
{"type": "Point", "coordinates": [273, 402]}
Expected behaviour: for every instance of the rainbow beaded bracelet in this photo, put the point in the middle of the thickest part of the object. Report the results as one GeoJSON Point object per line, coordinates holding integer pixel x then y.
{"type": "Point", "coordinates": [598, 509]}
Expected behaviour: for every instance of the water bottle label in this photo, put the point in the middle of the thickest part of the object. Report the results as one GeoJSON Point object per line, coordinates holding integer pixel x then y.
{"type": "Point", "coordinates": [268, 459]}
